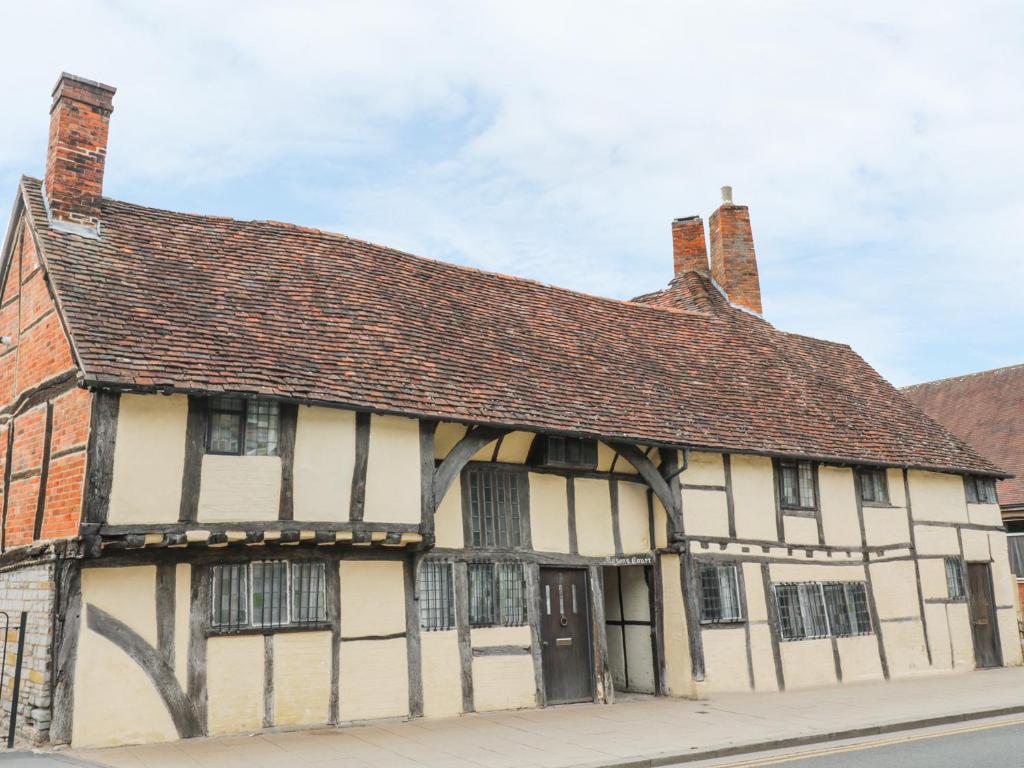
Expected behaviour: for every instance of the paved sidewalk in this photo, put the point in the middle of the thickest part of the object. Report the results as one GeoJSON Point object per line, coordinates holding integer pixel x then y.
{"type": "Point", "coordinates": [638, 731]}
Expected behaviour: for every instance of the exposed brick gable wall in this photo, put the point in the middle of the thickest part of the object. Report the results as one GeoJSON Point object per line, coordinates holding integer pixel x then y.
{"type": "Point", "coordinates": [39, 352]}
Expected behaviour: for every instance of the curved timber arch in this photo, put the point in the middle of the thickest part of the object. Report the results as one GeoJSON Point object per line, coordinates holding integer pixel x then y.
{"type": "Point", "coordinates": [446, 472]}
{"type": "Point", "coordinates": [668, 494]}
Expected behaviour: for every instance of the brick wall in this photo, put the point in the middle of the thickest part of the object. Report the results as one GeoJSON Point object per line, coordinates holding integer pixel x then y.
{"type": "Point", "coordinates": [39, 352]}
{"type": "Point", "coordinates": [28, 589]}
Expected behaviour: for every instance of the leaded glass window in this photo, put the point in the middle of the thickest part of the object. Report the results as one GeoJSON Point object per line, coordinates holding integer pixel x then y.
{"type": "Point", "coordinates": [720, 594]}
{"type": "Point", "coordinates": [980, 490]}
{"type": "Point", "coordinates": [497, 595]}
{"type": "Point", "coordinates": [796, 484]}
{"type": "Point", "coordinates": [809, 610]}
{"type": "Point", "coordinates": [495, 507]}
{"type": "Point", "coordinates": [874, 486]}
{"type": "Point", "coordinates": [243, 427]}
{"type": "Point", "coordinates": [434, 587]}
{"type": "Point", "coordinates": [955, 579]}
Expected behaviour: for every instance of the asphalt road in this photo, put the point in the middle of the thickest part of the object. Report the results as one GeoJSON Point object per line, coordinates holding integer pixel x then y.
{"type": "Point", "coordinates": [998, 743]}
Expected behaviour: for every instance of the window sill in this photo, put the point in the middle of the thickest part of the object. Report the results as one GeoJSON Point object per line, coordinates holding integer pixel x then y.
{"type": "Point", "coordinates": [879, 504]}
{"type": "Point", "coordinates": [286, 629]}
{"type": "Point", "coordinates": [722, 624]}
{"type": "Point", "coordinates": [800, 511]}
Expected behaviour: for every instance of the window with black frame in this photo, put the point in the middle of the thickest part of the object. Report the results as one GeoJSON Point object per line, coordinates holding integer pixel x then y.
{"type": "Point", "coordinates": [955, 587]}
{"type": "Point", "coordinates": [874, 486]}
{"type": "Point", "coordinates": [720, 594]}
{"type": "Point", "coordinates": [496, 509]}
{"type": "Point", "coordinates": [436, 595]}
{"type": "Point", "coordinates": [980, 490]}
{"type": "Point", "coordinates": [269, 594]}
{"type": "Point", "coordinates": [796, 485]}
{"type": "Point", "coordinates": [497, 594]}
{"type": "Point", "coordinates": [241, 427]}
{"type": "Point", "coordinates": [811, 610]}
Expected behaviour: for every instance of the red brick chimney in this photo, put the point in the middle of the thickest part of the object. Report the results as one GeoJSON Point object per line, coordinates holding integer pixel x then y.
{"type": "Point", "coordinates": [733, 263]}
{"type": "Point", "coordinates": [689, 249]}
{"type": "Point", "coordinates": [79, 118]}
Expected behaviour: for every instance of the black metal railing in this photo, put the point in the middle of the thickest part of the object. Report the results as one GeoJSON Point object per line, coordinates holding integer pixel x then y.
{"type": "Point", "coordinates": [20, 627]}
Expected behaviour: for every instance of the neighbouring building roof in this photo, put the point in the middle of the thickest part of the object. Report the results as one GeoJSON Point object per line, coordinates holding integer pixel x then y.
{"type": "Point", "coordinates": [987, 410]}
{"type": "Point", "coordinates": [173, 301]}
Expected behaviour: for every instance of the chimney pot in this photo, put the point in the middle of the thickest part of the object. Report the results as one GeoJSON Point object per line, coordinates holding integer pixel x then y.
{"type": "Point", "coordinates": [727, 194]}
{"type": "Point", "coordinates": [75, 157]}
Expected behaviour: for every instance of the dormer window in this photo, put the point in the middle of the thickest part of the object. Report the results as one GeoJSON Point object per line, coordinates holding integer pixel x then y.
{"type": "Point", "coordinates": [796, 485]}
{"type": "Point", "coordinates": [240, 427]}
{"type": "Point", "coordinates": [569, 452]}
{"type": "Point", "coordinates": [980, 490]}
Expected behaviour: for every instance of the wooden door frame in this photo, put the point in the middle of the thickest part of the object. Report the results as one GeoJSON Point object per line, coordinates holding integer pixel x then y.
{"type": "Point", "coordinates": [590, 625]}
{"type": "Point", "coordinates": [993, 612]}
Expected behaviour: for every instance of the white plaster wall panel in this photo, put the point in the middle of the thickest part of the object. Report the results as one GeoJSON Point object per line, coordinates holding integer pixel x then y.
{"type": "Point", "coordinates": [808, 664]}
{"type": "Point", "coordinates": [725, 659]}
{"type": "Point", "coordinates": [640, 655]}
{"type": "Point", "coordinates": [503, 682]}
{"type": "Point", "coordinates": [938, 635]}
{"type": "Point", "coordinates": [933, 578]}
{"type": "Point", "coordinates": [704, 469]}
{"type": "Point", "coordinates": [486, 453]}
{"type": "Point", "coordinates": [606, 457]}
{"type": "Point", "coordinates": [984, 514]}
{"type": "Point", "coordinates": [938, 497]}
{"type": "Point", "coordinates": [127, 594]}
{"type": "Point", "coordinates": [975, 546]}
{"type": "Point", "coordinates": [325, 450]}
{"type": "Point", "coordinates": [446, 437]}
{"type": "Point", "coordinates": [961, 640]}
{"type": "Point", "coordinates": [660, 523]}
{"type": "Point", "coordinates": [372, 597]}
{"type": "Point", "coordinates": [753, 493]}
{"type": "Point", "coordinates": [895, 587]}
{"type": "Point", "coordinates": [636, 597]}
{"type": "Point", "coordinates": [800, 530]}
{"type": "Point", "coordinates": [677, 652]}
{"type": "Point", "coordinates": [904, 648]}
{"type": "Point", "coordinates": [886, 525]}
{"type": "Point", "coordinates": [234, 684]}
{"type": "Point", "coordinates": [705, 513]}
{"type": "Point", "coordinates": [549, 513]}
{"type": "Point", "coordinates": [109, 686]}
{"type": "Point", "coordinates": [481, 637]}
{"type": "Point", "coordinates": [393, 470]}
{"type": "Point", "coordinates": [448, 528]}
{"type": "Point", "coordinates": [374, 680]}
{"type": "Point", "coordinates": [757, 607]}
{"type": "Point", "coordinates": [1004, 583]}
{"type": "Point", "coordinates": [236, 488]}
{"type": "Point", "coordinates": [897, 491]}
{"type": "Point", "coordinates": [594, 517]}
{"type": "Point", "coordinates": [813, 572]}
{"type": "Point", "coordinates": [442, 695]}
{"type": "Point", "coordinates": [634, 518]}
{"type": "Point", "coordinates": [515, 447]}
{"type": "Point", "coordinates": [115, 701]}
{"type": "Point", "coordinates": [1009, 636]}
{"type": "Point", "coordinates": [858, 658]}
{"type": "Point", "coordinates": [839, 518]}
{"type": "Point", "coordinates": [763, 658]}
{"type": "Point", "coordinates": [302, 678]}
{"type": "Point", "coordinates": [936, 540]}
{"type": "Point", "coordinates": [182, 611]}
{"type": "Point", "coordinates": [149, 459]}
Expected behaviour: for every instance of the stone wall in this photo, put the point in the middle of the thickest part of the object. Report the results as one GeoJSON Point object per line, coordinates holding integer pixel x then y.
{"type": "Point", "coordinates": [29, 589]}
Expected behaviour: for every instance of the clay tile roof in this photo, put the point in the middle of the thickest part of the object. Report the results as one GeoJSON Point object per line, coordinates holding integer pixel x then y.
{"type": "Point", "coordinates": [987, 410]}
{"type": "Point", "coordinates": [183, 302]}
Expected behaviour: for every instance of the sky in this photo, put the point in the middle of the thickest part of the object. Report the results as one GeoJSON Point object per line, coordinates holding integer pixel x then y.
{"type": "Point", "coordinates": [877, 144]}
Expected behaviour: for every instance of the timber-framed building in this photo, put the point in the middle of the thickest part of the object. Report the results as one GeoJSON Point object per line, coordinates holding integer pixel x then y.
{"type": "Point", "coordinates": [257, 475]}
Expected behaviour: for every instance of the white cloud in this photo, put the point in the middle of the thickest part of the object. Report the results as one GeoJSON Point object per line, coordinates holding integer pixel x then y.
{"type": "Point", "coordinates": [875, 143]}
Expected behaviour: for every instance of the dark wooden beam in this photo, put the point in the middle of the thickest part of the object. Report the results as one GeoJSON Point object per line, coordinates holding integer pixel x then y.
{"type": "Point", "coordinates": [288, 417]}
{"type": "Point", "coordinates": [165, 588]}
{"type": "Point", "coordinates": [199, 626]}
{"type": "Point", "coordinates": [462, 628]}
{"type": "Point", "coordinates": [7, 484]}
{"type": "Point", "coordinates": [357, 501]}
{"type": "Point", "coordinates": [66, 620]}
{"type": "Point", "coordinates": [428, 504]}
{"type": "Point", "coordinates": [412, 639]}
{"type": "Point", "coordinates": [195, 446]}
{"type": "Point", "coordinates": [100, 461]}
{"type": "Point", "coordinates": [458, 457]}
{"type": "Point", "coordinates": [44, 474]}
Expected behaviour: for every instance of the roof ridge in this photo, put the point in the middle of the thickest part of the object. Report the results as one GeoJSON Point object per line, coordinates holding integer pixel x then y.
{"type": "Point", "coordinates": [963, 376]}
{"type": "Point", "coordinates": [396, 251]}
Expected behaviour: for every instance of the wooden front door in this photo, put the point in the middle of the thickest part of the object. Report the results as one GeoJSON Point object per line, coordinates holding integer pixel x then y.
{"type": "Point", "coordinates": [566, 649]}
{"type": "Point", "coordinates": [983, 615]}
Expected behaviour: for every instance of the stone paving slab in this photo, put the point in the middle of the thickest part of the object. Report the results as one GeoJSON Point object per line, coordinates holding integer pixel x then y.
{"type": "Point", "coordinates": [637, 731]}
